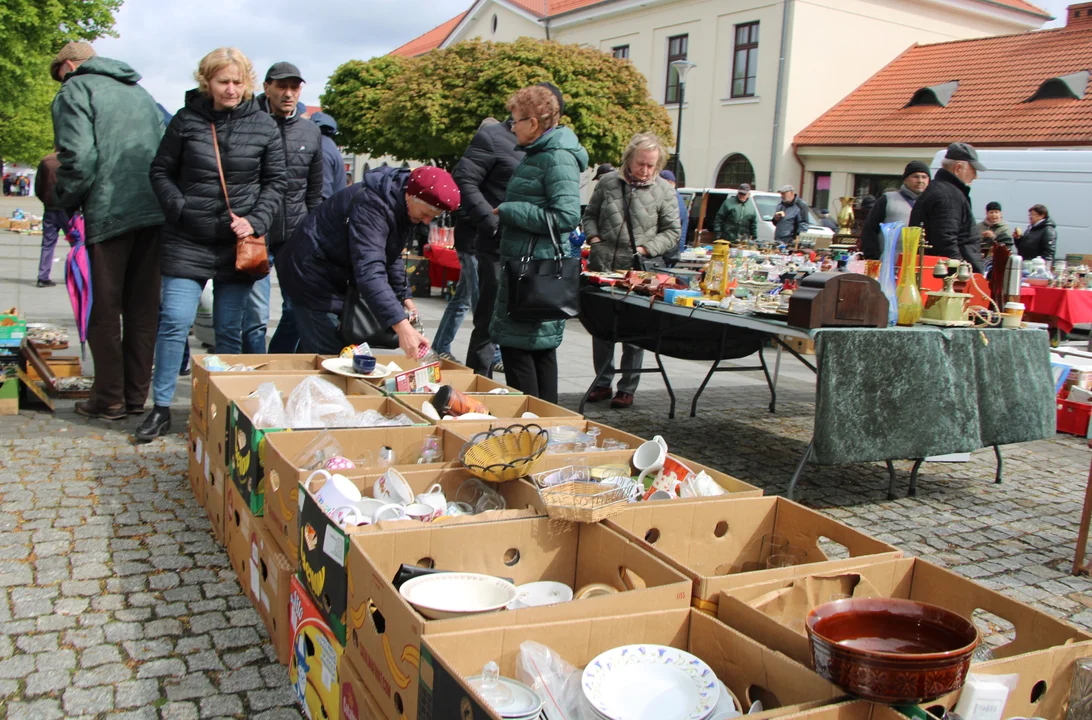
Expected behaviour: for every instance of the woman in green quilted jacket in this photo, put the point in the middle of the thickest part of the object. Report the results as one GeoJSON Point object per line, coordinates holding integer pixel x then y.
{"type": "Point", "coordinates": [547, 181]}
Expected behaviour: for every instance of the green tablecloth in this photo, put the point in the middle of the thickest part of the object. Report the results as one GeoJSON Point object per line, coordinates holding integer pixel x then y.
{"type": "Point", "coordinates": [900, 393]}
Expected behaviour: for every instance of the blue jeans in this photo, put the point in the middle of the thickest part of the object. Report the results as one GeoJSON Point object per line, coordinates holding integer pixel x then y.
{"type": "Point", "coordinates": [464, 299]}
{"type": "Point", "coordinates": [285, 338]}
{"type": "Point", "coordinates": [177, 311]}
{"type": "Point", "coordinates": [318, 331]}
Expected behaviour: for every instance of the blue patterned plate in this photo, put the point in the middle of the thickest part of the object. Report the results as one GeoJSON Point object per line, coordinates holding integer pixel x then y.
{"type": "Point", "coordinates": [650, 682]}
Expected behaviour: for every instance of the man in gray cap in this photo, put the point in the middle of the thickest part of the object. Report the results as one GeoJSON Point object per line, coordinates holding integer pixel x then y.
{"type": "Point", "coordinates": [303, 162]}
{"type": "Point", "coordinates": [944, 209]}
{"type": "Point", "coordinates": [790, 217]}
{"type": "Point", "coordinates": [893, 206]}
{"type": "Point", "coordinates": [737, 217]}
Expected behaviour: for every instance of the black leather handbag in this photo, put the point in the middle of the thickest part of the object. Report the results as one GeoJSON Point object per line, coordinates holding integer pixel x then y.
{"type": "Point", "coordinates": [358, 323]}
{"type": "Point", "coordinates": [543, 289]}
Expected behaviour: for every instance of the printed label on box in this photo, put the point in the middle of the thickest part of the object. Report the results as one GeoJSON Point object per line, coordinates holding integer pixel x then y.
{"type": "Point", "coordinates": [255, 579]}
{"type": "Point", "coordinates": [334, 545]}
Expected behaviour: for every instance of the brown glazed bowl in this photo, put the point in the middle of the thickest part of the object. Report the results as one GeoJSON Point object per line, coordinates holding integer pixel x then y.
{"type": "Point", "coordinates": [891, 651]}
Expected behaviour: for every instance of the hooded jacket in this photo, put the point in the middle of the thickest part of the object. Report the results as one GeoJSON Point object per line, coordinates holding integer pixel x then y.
{"type": "Point", "coordinates": [944, 210]}
{"type": "Point", "coordinates": [198, 242]}
{"type": "Point", "coordinates": [302, 144]}
{"type": "Point", "coordinates": [546, 182]}
{"type": "Point", "coordinates": [483, 175]}
{"type": "Point", "coordinates": [1039, 241]}
{"type": "Point", "coordinates": [653, 215]}
{"type": "Point", "coordinates": [333, 167]}
{"type": "Point", "coordinates": [106, 129]}
{"type": "Point", "coordinates": [355, 236]}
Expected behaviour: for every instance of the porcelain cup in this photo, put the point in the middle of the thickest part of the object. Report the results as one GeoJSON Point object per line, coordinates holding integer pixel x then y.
{"type": "Point", "coordinates": [337, 491]}
{"type": "Point", "coordinates": [434, 497]}
{"type": "Point", "coordinates": [421, 512]}
{"type": "Point", "coordinates": [390, 511]}
{"type": "Point", "coordinates": [649, 457]}
{"type": "Point", "coordinates": [392, 487]}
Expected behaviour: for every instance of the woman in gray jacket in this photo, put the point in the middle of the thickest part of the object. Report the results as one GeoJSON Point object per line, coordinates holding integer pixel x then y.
{"type": "Point", "coordinates": [631, 221]}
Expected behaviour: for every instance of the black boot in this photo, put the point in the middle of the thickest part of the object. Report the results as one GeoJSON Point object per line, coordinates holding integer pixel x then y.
{"type": "Point", "coordinates": [157, 424]}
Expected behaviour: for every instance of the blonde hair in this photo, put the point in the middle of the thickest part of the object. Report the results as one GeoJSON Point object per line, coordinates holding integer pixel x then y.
{"type": "Point", "coordinates": [645, 141]}
{"type": "Point", "coordinates": [537, 102]}
{"type": "Point", "coordinates": [219, 59]}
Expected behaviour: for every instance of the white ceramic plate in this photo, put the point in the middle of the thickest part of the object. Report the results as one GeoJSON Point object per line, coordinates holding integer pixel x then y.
{"type": "Point", "coordinates": [522, 703]}
{"type": "Point", "coordinates": [545, 592]}
{"type": "Point", "coordinates": [650, 682]}
{"type": "Point", "coordinates": [344, 366]}
{"type": "Point", "coordinates": [445, 595]}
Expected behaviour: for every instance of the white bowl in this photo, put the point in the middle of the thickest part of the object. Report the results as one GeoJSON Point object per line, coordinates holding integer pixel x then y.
{"type": "Point", "coordinates": [446, 595]}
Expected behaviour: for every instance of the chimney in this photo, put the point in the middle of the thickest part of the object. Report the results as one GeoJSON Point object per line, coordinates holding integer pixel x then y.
{"type": "Point", "coordinates": [1079, 16]}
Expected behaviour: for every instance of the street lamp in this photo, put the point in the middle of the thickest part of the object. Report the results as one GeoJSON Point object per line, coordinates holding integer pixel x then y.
{"type": "Point", "coordinates": [682, 67]}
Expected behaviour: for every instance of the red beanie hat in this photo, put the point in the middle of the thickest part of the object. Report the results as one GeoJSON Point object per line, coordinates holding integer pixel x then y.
{"type": "Point", "coordinates": [435, 187]}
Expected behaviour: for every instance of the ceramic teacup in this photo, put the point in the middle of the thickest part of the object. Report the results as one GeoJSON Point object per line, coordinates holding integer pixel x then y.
{"type": "Point", "coordinates": [364, 364]}
{"type": "Point", "coordinates": [369, 506]}
{"type": "Point", "coordinates": [390, 511]}
{"type": "Point", "coordinates": [350, 515]}
{"type": "Point", "coordinates": [421, 512]}
{"type": "Point", "coordinates": [649, 457]}
{"type": "Point", "coordinates": [337, 491]}
{"type": "Point", "coordinates": [434, 497]}
{"type": "Point", "coordinates": [392, 487]}
{"type": "Point", "coordinates": [454, 509]}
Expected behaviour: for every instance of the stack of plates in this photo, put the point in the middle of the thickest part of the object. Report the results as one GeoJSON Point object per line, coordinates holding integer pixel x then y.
{"type": "Point", "coordinates": [650, 682]}
{"type": "Point", "coordinates": [509, 698]}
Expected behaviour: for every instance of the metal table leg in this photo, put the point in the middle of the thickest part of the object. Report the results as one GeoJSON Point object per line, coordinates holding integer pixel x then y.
{"type": "Point", "coordinates": [914, 477]}
{"type": "Point", "coordinates": [890, 480]}
{"type": "Point", "coordinates": [667, 384]}
{"type": "Point", "coordinates": [1000, 464]}
{"type": "Point", "coordinates": [769, 381]}
{"type": "Point", "coordinates": [799, 471]}
{"type": "Point", "coordinates": [708, 376]}
{"type": "Point", "coordinates": [598, 376]}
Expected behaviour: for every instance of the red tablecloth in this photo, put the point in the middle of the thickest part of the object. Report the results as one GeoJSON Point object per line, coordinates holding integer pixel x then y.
{"type": "Point", "coordinates": [1064, 308]}
{"type": "Point", "coordinates": [443, 265]}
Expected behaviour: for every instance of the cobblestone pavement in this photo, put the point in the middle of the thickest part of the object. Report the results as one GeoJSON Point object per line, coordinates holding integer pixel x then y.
{"type": "Point", "coordinates": [115, 600]}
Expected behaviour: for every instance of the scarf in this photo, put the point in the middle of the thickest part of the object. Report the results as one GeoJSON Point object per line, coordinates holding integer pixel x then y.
{"type": "Point", "coordinates": [910, 195]}
{"type": "Point", "coordinates": [634, 182]}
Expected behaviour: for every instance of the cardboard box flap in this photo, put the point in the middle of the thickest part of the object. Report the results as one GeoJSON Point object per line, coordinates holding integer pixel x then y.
{"type": "Point", "coordinates": [501, 406]}
{"type": "Point", "coordinates": [791, 604]}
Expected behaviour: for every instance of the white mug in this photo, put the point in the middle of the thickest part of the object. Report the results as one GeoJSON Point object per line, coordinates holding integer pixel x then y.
{"type": "Point", "coordinates": [337, 491]}
{"type": "Point", "coordinates": [350, 515]}
{"type": "Point", "coordinates": [421, 512]}
{"type": "Point", "coordinates": [392, 487]}
{"type": "Point", "coordinates": [434, 498]}
{"type": "Point", "coordinates": [650, 456]}
{"type": "Point", "coordinates": [396, 512]}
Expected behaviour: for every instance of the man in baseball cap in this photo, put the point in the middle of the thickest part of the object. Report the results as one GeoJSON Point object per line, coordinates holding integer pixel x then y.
{"type": "Point", "coordinates": [737, 217]}
{"type": "Point", "coordinates": [944, 209]}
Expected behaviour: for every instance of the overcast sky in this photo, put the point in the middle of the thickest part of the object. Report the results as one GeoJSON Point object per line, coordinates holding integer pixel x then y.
{"type": "Point", "coordinates": [164, 39]}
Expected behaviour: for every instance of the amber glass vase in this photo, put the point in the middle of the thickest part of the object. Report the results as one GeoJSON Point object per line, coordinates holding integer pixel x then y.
{"type": "Point", "coordinates": [907, 292]}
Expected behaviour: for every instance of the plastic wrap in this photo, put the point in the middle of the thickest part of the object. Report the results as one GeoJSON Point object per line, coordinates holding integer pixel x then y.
{"type": "Point", "coordinates": [555, 681]}
{"type": "Point", "coordinates": [316, 403]}
{"type": "Point", "coordinates": [270, 412]}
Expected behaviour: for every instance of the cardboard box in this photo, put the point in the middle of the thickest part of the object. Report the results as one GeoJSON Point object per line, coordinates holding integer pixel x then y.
{"type": "Point", "coordinates": [908, 578]}
{"type": "Point", "coordinates": [270, 574]}
{"type": "Point", "coordinates": [356, 702]}
{"type": "Point", "coordinates": [283, 476]}
{"type": "Point", "coordinates": [314, 659]}
{"type": "Point", "coordinates": [323, 562]}
{"type": "Point", "coordinates": [749, 670]}
{"type": "Point", "coordinates": [386, 631]}
{"type": "Point", "coordinates": [469, 428]}
{"type": "Point", "coordinates": [247, 461]}
{"type": "Point", "coordinates": [9, 395]}
{"type": "Point", "coordinates": [239, 525]}
{"type": "Point", "coordinates": [700, 537]}
{"type": "Point", "coordinates": [195, 450]}
{"type": "Point", "coordinates": [500, 406]}
{"type": "Point", "coordinates": [849, 710]}
{"type": "Point", "coordinates": [264, 364]}
{"type": "Point", "coordinates": [216, 482]}
{"type": "Point", "coordinates": [466, 381]}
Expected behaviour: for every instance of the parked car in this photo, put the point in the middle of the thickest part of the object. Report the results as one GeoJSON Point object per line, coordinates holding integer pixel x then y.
{"type": "Point", "coordinates": [703, 204]}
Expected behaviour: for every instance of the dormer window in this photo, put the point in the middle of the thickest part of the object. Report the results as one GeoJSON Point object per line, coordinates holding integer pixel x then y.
{"type": "Point", "coordinates": [934, 95]}
{"type": "Point", "coordinates": [1063, 87]}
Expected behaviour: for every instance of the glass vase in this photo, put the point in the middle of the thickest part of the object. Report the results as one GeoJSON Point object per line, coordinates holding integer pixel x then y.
{"type": "Point", "coordinates": [907, 293]}
{"type": "Point", "coordinates": [887, 268]}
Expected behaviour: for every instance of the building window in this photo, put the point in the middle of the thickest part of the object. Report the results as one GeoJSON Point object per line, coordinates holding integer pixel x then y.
{"type": "Point", "coordinates": [494, 23]}
{"type": "Point", "coordinates": [745, 61]}
{"type": "Point", "coordinates": [621, 52]}
{"type": "Point", "coordinates": [676, 50]}
{"type": "Point", "coordinates": [735, 171]}
{"type": "Point", "coordinates": [820, 196]}
{"type": "Point", "coordinates": [874, 185]}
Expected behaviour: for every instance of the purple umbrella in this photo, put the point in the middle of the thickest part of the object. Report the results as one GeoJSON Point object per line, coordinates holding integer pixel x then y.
{"type": "Point", "coordinates": [77, 276]}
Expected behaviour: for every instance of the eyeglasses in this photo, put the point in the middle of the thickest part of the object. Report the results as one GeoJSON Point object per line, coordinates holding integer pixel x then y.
{"type": "Point", "coordinates": [517, 122]}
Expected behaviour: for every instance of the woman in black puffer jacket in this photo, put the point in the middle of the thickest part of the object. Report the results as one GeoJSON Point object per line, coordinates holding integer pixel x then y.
{"type": "Point", "coordinates": [199, 237]}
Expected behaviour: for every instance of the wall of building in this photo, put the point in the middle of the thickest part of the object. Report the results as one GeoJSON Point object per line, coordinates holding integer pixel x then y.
{"type": "Point", "coordinates": [511, 25]}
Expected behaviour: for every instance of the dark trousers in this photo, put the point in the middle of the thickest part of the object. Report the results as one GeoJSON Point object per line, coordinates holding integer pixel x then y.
{"type": "Point", "coordinates": [124, 313]}
{"type": "Point", "coordinates": [532, 372]}
{"type": "Point", "coordinates": [480, 351]}
{"type": "Point", "coordinates": [53, 223]}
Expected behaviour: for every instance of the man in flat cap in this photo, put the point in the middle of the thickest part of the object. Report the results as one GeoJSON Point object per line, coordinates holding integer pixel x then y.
{"type": "Point", "coordinates": [790, 217]}
{"type": "Point", "coordinates": [356, 238]}
{"type": "Point", "coordinates": [944, 209]}
{"type": "Point", "coordinates": [106, 129]}
{"type": "Point", "coordinates": [302, 142]}
{"type": "Point", "coordinates": [893, 206]}
{"type": "Point", "coordinates": [737, 217]}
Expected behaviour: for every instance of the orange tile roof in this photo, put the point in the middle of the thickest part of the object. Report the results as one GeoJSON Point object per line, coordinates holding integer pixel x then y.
{"type": "Point", "coordinates": [430, 40]}
{"type": "Point", "coordinates": [996, 75]}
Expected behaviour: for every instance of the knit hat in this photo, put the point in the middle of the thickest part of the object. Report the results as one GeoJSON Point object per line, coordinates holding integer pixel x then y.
{"type": "Point", "coordinates": [435, 187]}
{"type": "Point", "coordinates": [667, 175]}
{"type": "Point", "coordinates": [915, 166]}
{"type": "Point", "coordinates": [77, 51]}
{"type": "Point", "coordinates": [993, 205]}
{"type": "Point", "coordinates": [602, 170]}
{"type": "Point", "coordinates": [744, 188]}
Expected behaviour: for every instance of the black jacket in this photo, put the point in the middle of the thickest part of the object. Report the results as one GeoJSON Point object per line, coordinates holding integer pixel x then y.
{"type": "Point", "coordinates": [944, 210]}
{"type": "Point", "coordinates": [302, 143]}
{"type": "Point", "coordinates": [482, 176]}
{"type": "Point", "coordinates": [1039, 241]}
{"type": "Point", "coordinates": [333, 247]}
{"type": "Point", "coordinates": [197, 240]}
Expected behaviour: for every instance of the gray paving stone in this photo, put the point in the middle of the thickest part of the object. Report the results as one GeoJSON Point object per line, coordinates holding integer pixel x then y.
{"type": "Point", "coordinates": [44, 683]}
{"type": "Point", "coordinates": [221, 706]}
{"type": "Point", "coordinates": [89, 701]}
{"type": "Point", "coordinates": [134, 693]}
{"type": "Point", "coordinates": [162, 668]}
{"type": "Point", "coordinates": [191, 687]}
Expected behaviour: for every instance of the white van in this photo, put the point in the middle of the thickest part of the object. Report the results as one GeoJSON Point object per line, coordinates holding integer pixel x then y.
{"type": "Point", "coordinates": [1018, 179]}
{"type": "Point", "coordinates": [703, 204]}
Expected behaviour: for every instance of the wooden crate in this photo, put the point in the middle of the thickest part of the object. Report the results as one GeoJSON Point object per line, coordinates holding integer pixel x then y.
{"type": "Point", "coordinates": [804, 347]}
{"type": "Point", "coordinates": [61, 367]}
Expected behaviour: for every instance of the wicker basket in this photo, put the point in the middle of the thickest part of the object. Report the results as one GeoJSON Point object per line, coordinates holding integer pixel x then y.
{"type": "Point", "coordinates": [757, 287]}
{"type": "Point", "coordinates": [504, 454]}
{"type": "Point", "coordinates": [584, 500]}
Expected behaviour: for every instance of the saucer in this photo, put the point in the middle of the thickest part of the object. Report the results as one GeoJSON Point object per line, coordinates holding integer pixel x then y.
{"type": "Point", "coordinates": [344, 366]}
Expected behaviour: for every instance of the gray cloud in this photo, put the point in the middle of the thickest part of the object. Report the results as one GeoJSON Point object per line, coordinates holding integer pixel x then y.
{"type": "Point", "coordinates": [164, 39]}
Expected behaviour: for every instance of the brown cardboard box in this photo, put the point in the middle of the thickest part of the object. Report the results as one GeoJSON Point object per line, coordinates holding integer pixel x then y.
{"type": "Point", "coordinates": [470, 428]}
{"type": "Point", "coordinates": [239, 524]}
{"type": "Point", "coordinates": [698, 537]}
{"type": "Point", "coordinates": [270, 365]}
{"type": "Point", "coordinates": [315, 658]}
{"type": "Point", "coordinates": [216, 482]}
{"type": "Point", "coordinates": [909, 578]}
{"type": "Point", "coordinates": [283, 476]}
{"type": "Point", "coordinates": [270, 574]}
{"type": "Point", "coordinates": [386, 631]}
{"type": "Point", "coordinates": [465, 381]}
{"type": "Point", "coordinates": [195, 450]}
{"type": "Point", "coordinates": [227, 387]}
{"type": "Point", "coordinates": [356, 702]}
{"type": "Point", "coordinates": [849, 710]}
{"type": "Point", "coordinates": [749, 670]}
{"type": "Point", "coordinates": [500, 406]}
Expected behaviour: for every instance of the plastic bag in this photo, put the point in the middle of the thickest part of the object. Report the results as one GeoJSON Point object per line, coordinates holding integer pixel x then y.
{"type": "Point", "coordinates": [555, 681]}
{"type": "Point", "coordinates": [316, 403]}
{"type": "Point", "coordinates": [270, 412]}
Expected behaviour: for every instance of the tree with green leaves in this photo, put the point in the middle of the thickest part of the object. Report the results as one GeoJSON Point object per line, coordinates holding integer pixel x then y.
{"type": "Point", "coordinates": [429, 107]}
{"type": "Point", "coordinates": [31, 33]}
